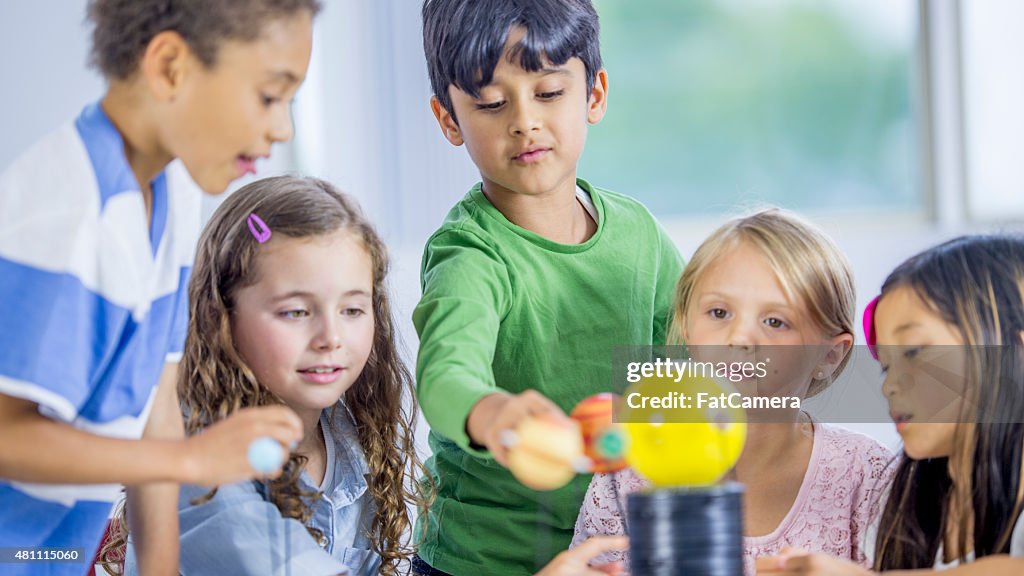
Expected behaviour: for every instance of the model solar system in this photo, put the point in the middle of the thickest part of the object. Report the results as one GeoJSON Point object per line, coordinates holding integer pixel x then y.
{"type": "Point", "coordinates": [688, 522]}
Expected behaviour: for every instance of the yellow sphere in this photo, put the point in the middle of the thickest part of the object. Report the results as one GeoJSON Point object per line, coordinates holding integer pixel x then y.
{"type": "Point", "coordinates": [682, 445]}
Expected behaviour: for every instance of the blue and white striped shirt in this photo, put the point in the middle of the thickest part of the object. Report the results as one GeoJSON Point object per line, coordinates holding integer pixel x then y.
{"type": "Point", "coordinates": [96, 302]}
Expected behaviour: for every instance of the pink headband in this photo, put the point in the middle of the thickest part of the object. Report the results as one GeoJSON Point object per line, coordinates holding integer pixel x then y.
{"type": "Point", "coordinates": [869, 327]}
{"type": "Point", "coordinates": [260, 231]}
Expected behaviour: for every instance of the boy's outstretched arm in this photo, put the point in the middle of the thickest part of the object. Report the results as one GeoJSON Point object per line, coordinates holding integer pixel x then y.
{"type": "Point", "coordinates": [153, 508]}
{"type": "Point", "coordinates": [467, 292]}
{"type": "Point", "coordinates": [41, 450]}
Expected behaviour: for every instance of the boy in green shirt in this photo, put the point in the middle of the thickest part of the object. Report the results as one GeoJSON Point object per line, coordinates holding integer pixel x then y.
{"type": "Point", "coordinates": [531, 281]}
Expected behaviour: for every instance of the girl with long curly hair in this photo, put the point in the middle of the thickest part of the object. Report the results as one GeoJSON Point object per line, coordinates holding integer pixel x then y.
{"type": "Point", "coordinates": [289, 306]}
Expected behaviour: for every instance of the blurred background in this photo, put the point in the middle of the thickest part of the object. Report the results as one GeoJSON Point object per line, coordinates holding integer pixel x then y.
{"type": "Point", "coordinates": [893, 124]}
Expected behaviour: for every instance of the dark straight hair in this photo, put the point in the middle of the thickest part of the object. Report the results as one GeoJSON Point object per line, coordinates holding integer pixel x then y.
{"type": "Point", "coordinates": [463, 39]}
{"type": "Point", "coordinates": [974, 283]}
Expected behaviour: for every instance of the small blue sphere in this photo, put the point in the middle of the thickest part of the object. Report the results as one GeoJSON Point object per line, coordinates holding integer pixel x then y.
{"type": "Point", "coordinates": [265, 455]}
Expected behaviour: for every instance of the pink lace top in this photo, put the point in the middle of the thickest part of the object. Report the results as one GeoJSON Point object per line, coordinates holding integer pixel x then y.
{"type": "Point", "coordinates": [840, 498]}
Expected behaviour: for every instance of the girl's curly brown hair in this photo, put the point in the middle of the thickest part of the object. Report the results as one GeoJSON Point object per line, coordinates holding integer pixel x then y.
{"type": "Point", "coordinates": [214, 381]}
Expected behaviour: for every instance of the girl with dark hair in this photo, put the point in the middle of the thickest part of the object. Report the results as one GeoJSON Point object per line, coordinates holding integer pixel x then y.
{"type": "Point", "coordinates": [949, 328]}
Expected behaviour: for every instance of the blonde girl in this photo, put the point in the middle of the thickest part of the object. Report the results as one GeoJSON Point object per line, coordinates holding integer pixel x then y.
{"type": "Point", "coordinates": [772, 285]}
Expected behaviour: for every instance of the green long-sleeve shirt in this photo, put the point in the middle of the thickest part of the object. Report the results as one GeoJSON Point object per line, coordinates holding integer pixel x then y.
{"type": "Point", "coordinates": [506, 309]}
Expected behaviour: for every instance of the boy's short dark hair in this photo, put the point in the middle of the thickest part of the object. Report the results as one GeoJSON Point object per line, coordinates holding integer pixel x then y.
{"type": "Point", "coordinates": [463, 39]}
{"type": "Point", "coordinates": [123, 28]}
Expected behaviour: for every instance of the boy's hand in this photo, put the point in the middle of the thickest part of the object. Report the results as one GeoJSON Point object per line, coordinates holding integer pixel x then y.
{"type": "Point", "coordinates": [794, 561]}
{"type": "Point", "coordinates": [220, 454]}
{"type": "Point", "coordinates": [576, 562]}
{"type": "Point", "coordinates": [492, 416]}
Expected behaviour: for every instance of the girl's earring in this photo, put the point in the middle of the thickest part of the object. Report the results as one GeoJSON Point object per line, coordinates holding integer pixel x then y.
{"type": "Point", "coordinates": [819, 375]}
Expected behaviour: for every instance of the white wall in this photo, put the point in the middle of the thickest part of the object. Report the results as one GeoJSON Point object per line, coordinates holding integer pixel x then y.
{"type": "Point", "coordinates": [44, 74]}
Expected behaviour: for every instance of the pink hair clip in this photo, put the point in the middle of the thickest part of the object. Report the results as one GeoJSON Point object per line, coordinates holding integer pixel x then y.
{"type": "Point", "coordinates": [869, 327]}
{"type": "Point", "coordinates": [260, 230]}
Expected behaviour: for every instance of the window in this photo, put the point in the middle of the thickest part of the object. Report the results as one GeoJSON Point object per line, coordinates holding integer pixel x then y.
{"type": "Point", "coordinates": [805, 103]}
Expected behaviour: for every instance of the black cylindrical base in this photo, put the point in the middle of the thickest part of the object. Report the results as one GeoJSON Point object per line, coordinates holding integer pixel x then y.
{"type": "Point", "coordinates": [688, 531]}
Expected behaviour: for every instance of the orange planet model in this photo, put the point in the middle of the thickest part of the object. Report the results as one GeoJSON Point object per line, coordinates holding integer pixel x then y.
{"type": "Point", "coordinates": [604, 441]}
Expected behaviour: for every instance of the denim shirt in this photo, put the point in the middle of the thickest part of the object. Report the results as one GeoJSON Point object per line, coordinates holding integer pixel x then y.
{"type": "Point", "coordinates": [239, 531]}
